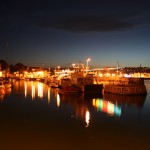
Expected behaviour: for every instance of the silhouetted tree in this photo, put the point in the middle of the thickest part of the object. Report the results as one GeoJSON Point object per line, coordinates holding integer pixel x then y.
{"type": "Point", "coordinates": [4, 65]}
{"type": "Point", "coordinates": [20, 67]}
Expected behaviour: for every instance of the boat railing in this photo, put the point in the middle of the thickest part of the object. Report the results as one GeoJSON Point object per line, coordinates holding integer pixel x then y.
{"type": "Point", "coordinates": [127, 81]}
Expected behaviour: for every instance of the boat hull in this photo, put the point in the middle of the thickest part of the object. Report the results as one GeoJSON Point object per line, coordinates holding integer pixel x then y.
{"type": "Point", "coordinates": [70, 89]}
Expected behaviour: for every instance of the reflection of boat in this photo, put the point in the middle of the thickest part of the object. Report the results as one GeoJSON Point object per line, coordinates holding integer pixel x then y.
{"type": "Point", "coordinates": [2, 87]}
{"type": "Point", "coordinates": [2, 91]}
{"type": "Point", "coordinates": [76, 101]}
{"type": "Point", "coordinates": [7, 84]}
{"type": "Point", "coordinates": [137, 100]}
{"type": "Point", "coordinates": [7, 90]}
{"type": "Point", "coordinates": [1, 96]}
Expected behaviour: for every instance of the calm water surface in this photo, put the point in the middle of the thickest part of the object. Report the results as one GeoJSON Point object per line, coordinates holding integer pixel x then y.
{"type": "Point", "coordinates": [35, 117]}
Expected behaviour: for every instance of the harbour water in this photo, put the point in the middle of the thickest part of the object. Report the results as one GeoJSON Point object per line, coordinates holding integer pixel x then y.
{"type": "Point", "coordinates": [35, 117]}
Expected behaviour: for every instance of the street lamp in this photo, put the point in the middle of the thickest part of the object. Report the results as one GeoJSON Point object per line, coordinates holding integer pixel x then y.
{"type": "Point", "coordinates": [88, 61]}
{"type": "Point", "coordinates": [87, 64]}
{"type": "Point", "coordinates": [73, 65]}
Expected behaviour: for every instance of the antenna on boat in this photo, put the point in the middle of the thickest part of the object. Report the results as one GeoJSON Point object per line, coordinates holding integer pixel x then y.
{"type": "Point", "coordinates": [117, 67]}
{"type": "Point", "coordinates": [140, 70]}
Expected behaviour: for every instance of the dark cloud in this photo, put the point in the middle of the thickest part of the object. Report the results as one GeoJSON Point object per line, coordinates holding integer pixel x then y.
{"type": "Point", "coordinates": [91, 23]}
{"type": "Point", "coordinates": [74, 16]}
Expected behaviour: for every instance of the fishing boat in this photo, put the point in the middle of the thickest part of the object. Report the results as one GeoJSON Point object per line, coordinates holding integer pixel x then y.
{"type": "Point", "coordinates": [54, 82]}
{"type": "Point", "coordinates": [54, 85]}
{"type": "Point", "coordinates": [69, 89]}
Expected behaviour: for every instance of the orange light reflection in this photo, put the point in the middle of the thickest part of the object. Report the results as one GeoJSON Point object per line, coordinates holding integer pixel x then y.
{"type": "Point", "coordinates": [87, 118]}
{"type": "Point", "coordinates": [40, 90]}
{"type": "Point", "coordinates": [25, 89]}
{"type": "Point", "coordinates": [33, 91]}
{"type": "Point", "coordinates": [48, 95]}
{"type": "Point", "coordinates": [58, 100]}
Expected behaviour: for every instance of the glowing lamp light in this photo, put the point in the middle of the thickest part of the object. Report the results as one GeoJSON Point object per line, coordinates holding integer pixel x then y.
{"type": "Point", "coordinates": [73, 65]}
{"type": "Point", "coordinates": [127, 75]}
{"type": "Point", "coordinates": [87, 61]}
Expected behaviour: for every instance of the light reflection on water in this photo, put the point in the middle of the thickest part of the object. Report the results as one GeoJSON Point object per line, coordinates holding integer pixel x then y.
{"type": "Point", "coordinates": [87, 118]}
{"type": "Point", "coordinates": [107, 107]}
{"type": "Point", "coordinates": [58, 100]}
{"type": "Point", "coordinates": [108, 103]}
{"type": "Point", "coordinates": [34, 108]}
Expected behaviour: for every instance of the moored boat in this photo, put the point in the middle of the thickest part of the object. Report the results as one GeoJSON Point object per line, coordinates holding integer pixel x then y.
{"type": "Point", "coordinates": [70, 89]}
{"type": "Point", "coordinates": [54, 85]}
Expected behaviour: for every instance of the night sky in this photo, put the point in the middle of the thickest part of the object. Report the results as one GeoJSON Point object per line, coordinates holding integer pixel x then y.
{"type": "Point", "coordinates": [63, 32]}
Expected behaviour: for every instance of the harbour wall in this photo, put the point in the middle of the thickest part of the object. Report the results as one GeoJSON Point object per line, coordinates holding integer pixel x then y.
{"type": "Point", "coordinates": [126, 86]}
{"type": "Point", "coordinates": [126, 90]}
